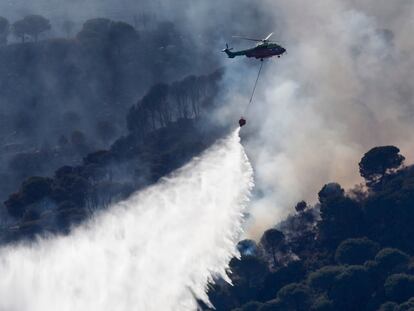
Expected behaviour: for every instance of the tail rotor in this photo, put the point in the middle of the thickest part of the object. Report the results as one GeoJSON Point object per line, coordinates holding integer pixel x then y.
{"type": "Point", "coordinates": [227, 49]}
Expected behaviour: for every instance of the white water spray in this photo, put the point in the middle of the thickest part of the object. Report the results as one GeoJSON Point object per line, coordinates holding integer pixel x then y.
{"type": "Point", "coordinates": [155, 251]}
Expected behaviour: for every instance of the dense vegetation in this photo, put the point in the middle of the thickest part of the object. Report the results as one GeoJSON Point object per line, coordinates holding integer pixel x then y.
{"type": "Point", "coordinates": [84, 134]}
{"type": "Point", "coordinates": [62, 98]}
{"type": "Point", "coordinates": [351, 251]}
{"type": "Point", "coordinates": [163, 135]}
{"type": "Point", "coordinates": [87, 119]}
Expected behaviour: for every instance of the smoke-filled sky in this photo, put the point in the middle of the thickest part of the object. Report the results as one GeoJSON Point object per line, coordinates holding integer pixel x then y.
{"type": "Point", "coordinates": [345, 86]}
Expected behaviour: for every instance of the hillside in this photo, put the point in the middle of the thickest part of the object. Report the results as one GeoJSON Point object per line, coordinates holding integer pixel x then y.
{"type": "Point", "coordinates": [62, 98]}
{"type": "Point", "coordinates": [73, 193]}
{"type": "Point", "coordinates": [351, 251]}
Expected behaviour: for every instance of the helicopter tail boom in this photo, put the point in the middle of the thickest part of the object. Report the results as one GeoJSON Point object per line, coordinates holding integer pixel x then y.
{"type": "Point", "coordinates": [228, 51]}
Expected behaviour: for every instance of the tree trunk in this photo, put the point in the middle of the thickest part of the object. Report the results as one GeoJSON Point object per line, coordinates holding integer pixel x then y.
{"type": "Point", "coordinates": [274, 257]}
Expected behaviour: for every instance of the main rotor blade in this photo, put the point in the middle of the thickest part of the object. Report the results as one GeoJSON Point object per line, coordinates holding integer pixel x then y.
{"type": "Point", "coordinates": [256, 40]}
{"type": "Point", "coordinates": [268, 37]}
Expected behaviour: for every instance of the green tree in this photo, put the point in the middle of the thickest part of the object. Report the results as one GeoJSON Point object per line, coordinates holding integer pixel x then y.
{"type": "Point", "coordinates": [179, 95]}
{"type": "Point", "coordinates": [15, 205]}
{"type": "Point", "coordinates": [341, 217]}
{"type": "Point", "coordinates": [389, 212]}
{"type": "Point", "coordinates": [250, 270]}
{"type": "Point", "coordinates": [379, 161]}
{"type": "Point", "coordinates": [275, 280]}
{"type": "Point", "coordinates": [36, 188]}
{"type": "Point", "coordinates": [155, 102]}
{"type": "Point", "coordinates": [100, 157]}
{"type": "Point", "coordinates": [95, 31]}
{"type": "Point", "coordinates": [247, 276]}
{"type": "Point", "coordinates": [356, 251]}
{"type": "Point", "coordinates": [273, 242]}
{"type": "Point", "coordinates": [138, 120]}
{"type": "Point", "coordinates": [295, 297]}
{"type": "Point", "coordinates": [121, 34]}
{"type": "Point", "coordinates": [399, 287]}
{"type": "Point", "coordinates": [391, 260]}
{"type": "Point", "coordinates": [193, 86]}
{"type": "Point", "coordinates": [301, 206]}
{"type": "Point", "coordinates": [36, 24]}
{"type": "Point", "coordinates": [31, 25]}
{"type": "Point", "coordinates": [324, 278]}
{"type": "Point", "coordinates": [20, 29]}
{"type": "Point", "coordinates": [71, 187]}
{"type": "Point", "coordinates": [330, 192]}
{"type": "Point", "coordinates": [32, 190]}
{"type": "Point", "coordinates": [352, 289]}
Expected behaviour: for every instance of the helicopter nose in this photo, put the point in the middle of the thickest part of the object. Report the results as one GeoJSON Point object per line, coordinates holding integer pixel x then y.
{"type": "Point", "coordinates": [283, 50]}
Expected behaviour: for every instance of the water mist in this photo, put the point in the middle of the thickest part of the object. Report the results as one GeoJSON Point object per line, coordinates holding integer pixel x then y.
{"type": "Point", "coordinates": [156, 251]}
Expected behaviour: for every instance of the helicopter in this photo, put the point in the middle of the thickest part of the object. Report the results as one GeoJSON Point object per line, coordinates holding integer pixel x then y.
{"type": "Point", "coordinates": [264, 49]}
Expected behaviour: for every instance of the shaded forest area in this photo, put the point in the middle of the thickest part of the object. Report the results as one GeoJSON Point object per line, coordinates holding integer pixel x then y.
{"type": "Point", "coordinates": [87, 119]}
{"type": "Point", "coordinates": [165, 131]}
{"type": "Point", "coordinates": [352, 251]}
{"type": "Point", "coordinates": [71, 107]}
{"type": "Point", "coordinates": [62, 98]}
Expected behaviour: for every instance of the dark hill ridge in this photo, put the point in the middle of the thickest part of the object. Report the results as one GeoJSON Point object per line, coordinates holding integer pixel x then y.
{"type": "Point", "coordinates": [62, 98]}
{"type": "Point", "coordinates": [71, 99]}
{"type": "Point", "coordinates": [53, 205]}
{"type": "Point", "coordinates": [352, 251]}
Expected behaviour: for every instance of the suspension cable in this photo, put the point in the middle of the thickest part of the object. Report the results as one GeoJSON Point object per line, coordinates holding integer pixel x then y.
{"type": "Point", "coordinates": [254, 88]}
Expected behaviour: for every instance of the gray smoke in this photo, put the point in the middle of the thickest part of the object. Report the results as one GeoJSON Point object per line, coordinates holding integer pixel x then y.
{"type": "Point", "coordinates": [344, 87]}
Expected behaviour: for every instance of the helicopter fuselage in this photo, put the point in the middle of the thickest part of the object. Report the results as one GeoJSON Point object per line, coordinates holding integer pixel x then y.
{"type": "Point", "coordinates": [261, 51]}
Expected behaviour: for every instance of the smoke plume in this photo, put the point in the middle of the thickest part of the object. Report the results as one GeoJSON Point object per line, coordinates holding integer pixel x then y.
{"type": "Point", "coordinates": [345, 86]}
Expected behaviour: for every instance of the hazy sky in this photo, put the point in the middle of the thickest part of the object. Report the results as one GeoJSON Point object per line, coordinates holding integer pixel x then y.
{"type": "Point", "coordinates": [345, 86]}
